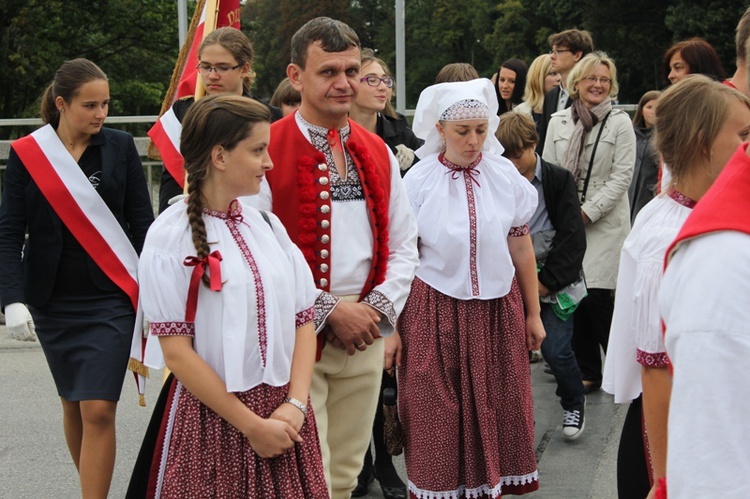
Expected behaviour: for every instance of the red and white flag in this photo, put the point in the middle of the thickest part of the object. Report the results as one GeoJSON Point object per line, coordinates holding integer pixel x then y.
{"type": "Point", "coordinates": [165, 134]}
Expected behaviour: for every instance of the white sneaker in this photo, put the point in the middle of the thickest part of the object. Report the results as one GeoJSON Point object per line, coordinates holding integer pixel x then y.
{"type": "Point", "coordinates": [574, 422]}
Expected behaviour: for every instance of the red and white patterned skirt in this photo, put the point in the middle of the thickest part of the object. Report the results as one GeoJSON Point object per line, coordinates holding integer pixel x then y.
{"type": "Point", "coordinates": [465, 397]}
{"type": "Point", "coordinates": [198, 454]}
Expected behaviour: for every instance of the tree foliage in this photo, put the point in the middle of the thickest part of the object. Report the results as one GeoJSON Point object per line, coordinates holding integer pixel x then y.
{"type": "Point", "coordinates": [135, 41]}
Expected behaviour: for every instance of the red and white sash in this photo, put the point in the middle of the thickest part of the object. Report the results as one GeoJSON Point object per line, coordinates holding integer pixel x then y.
{"type": "Point", "coordinates": [85, 214]}
{"type": "Point", "coordinates": [166, 136]}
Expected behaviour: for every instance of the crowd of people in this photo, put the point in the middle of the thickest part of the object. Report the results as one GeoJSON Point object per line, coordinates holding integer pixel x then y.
{"type": "Point", "coordinates": [318, 258]}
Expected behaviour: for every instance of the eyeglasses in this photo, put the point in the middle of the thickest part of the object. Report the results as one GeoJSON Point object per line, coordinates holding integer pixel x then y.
{"type": "Point", "coordinates": [593, 79]}
{"type": "Point", "coordinates": [205, 69]}
{"type": "Point", "coordinates": [558, 52]}
{"type": "Point", "coordinates": [374, 81]}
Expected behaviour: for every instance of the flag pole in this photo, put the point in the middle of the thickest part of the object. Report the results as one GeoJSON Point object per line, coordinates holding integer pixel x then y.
{"type": "Point", "coordinates": [174, 81]}
{"type": "Point", "coordinates": [212, 14]}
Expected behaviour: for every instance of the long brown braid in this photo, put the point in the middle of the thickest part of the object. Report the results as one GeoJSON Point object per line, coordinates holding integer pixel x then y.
{"type": "Point", "coordinates": [218, 120]}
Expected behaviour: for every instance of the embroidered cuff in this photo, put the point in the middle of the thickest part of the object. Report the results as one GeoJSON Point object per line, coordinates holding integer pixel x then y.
{"type": "Point", "coordinates": [382, 304]}
{"type": "Point", "coordinates": [304, 317]}
{"type": "Point", "coordinates": [519, 231]}
{"type": "Point", "coordinates": [658, 359]}
{"type": "Point", "coordinates": [172, 329]}
{"type": "Point", "coordinates": [324, 305]}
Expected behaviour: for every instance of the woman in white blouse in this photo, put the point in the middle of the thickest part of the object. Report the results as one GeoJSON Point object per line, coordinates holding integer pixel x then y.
{"type": "Point", "coordinates": [465, 396]}
{"type": "Point", "coordinates": [597, 144]}
{"type": "Point", "coordinates": [700, 123]}
{"type": "Point", "coordinates": [230, 302]}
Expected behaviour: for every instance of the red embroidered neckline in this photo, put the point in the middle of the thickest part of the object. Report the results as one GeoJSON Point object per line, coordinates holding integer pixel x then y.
{"type": "Point", "coordinates": [375, 203]}
{"type": "Point", "coordinates": [446, 162]}
{"type": "Point", "coordinates": [682, 199]}
{"type": "Point", "coordinates": [235, 211]}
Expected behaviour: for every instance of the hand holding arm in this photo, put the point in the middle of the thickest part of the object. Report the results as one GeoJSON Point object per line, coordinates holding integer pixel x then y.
{"type": "Point", "coordinates": [268, 437]}
{"type": "Point", "coordinates": [354, 324]}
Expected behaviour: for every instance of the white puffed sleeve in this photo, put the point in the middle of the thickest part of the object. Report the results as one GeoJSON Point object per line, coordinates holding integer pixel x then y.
{"type": "Point", "coordinates": [645, 318]}
{"type": "Point", "coordinates": [163, 285]}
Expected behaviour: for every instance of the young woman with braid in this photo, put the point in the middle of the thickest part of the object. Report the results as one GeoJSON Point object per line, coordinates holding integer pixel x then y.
{"type": "Point", "coordinates": [230, 302]}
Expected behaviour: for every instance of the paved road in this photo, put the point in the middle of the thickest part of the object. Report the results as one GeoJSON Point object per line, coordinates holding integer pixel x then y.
{"type": "Point", "coordinates": [34, 461]}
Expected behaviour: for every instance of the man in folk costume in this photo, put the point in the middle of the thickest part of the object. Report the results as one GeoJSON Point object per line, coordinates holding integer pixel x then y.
{"type": "Point", "coordinates": [337, 189]}
{"type": "Point", "coordinates": [703, 303]}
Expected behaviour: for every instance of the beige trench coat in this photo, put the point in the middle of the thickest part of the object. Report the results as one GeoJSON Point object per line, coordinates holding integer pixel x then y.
{"type": "Point", "coordinates": [607, 196]}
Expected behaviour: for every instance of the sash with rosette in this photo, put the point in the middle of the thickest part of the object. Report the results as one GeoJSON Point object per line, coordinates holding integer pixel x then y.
{"type": "Point", "coordinates": [89, 219]}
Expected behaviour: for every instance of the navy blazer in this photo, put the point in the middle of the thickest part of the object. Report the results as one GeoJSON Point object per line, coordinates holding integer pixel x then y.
{"type": "Point", "coordinates": [122, 187]}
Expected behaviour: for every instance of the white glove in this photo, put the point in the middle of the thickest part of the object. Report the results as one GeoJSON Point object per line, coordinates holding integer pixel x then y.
{"type": "Point", "coordinates": [175, 199]}
{"type": "Point", "coordinates": [19, 322]}
{"type": "Point", "coordinates": [405, 156]}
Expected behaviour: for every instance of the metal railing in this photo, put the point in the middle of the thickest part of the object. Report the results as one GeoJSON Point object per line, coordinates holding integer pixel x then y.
{"type": "Point", "coordinates": [151, 168]}
{"type": "Point", "coordinates": [142, 142]}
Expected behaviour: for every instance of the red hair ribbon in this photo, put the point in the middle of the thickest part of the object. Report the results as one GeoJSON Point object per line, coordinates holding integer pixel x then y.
{"type": "Point", "coordinates": [199, 269]}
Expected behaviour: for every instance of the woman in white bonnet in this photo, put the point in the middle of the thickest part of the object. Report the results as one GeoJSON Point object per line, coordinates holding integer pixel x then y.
{"type": "Point", "coordinates": [473, 312]}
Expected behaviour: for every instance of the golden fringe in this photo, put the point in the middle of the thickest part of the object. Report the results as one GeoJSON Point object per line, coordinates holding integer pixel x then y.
{"type": "Point", "coordinates": [141, 400]}
{"type": "Point", "coordinates": [153, 152]}
{"type": "Point", "coordinates": [137, 367]}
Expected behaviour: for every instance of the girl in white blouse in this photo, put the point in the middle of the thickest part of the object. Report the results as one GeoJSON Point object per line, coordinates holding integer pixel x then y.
{"type": "Point", "coordinates": [230, 302]}
{"type": "Point", "coordinates": [700, 123]}
{"type": "Point", "coordinates": [465, 397]}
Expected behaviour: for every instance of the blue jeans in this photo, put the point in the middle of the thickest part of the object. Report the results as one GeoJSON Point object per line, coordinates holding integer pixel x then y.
{"type": "Point", "coordinates": [558, 353]}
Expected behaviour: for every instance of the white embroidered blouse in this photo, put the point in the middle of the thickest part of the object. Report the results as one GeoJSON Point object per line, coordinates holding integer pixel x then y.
{"type": "Point", "coordinates": [465, 217]}
{"type": "Point", "coordinates": [246, 331]}
{"type": "Point", "coordinates": [635, 336]}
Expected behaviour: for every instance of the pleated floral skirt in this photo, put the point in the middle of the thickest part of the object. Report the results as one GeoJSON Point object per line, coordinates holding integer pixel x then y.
{"type": "Point", "coordinates": [197, 454]}
{"type": "Point", "coordinates": [465, 398]}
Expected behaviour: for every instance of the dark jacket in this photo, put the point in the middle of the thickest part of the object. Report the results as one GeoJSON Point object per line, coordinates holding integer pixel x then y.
{"type": "Point", "coordinates": [169, 187]}
{"type": "Point", "coordinates": [548, 109]}
{"type": "Point", "coordinates": [645, 173]}
{"type": "Point", "coordinates": [563, 264]}
{"type": "Point", "coordinates": [122, 187]}
{"type": "Point", "coordinates": [395, 131]}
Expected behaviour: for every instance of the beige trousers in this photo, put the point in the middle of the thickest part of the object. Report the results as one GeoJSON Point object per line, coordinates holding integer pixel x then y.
{"type": "Point", "coordinates": [344, 395]}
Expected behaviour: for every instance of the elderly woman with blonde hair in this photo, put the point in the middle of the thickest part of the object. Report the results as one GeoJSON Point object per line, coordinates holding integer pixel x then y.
{"type": "Point", "coordinates": [597, 144]}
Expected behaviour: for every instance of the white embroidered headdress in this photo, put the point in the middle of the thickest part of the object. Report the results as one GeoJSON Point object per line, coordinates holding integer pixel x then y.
{"type": "Point", "coordinates": [456, 101]}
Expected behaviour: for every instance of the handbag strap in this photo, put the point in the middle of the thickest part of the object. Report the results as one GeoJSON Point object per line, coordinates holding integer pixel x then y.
{"type": "Point", "coordinates": [591, 161]}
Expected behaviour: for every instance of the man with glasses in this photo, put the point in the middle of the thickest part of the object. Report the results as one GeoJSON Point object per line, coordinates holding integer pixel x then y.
{"type": "Point", "coordinates": [568, 47]}
{"type": "Point", "coordinates": [337, 190]}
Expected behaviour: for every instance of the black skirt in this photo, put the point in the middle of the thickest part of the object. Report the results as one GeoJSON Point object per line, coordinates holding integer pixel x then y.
{"type": "Point", "coordinates": [86, 338]}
